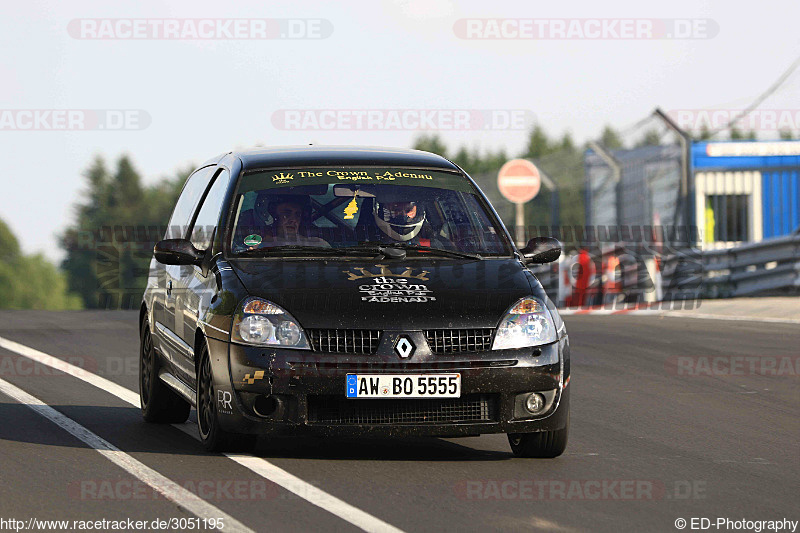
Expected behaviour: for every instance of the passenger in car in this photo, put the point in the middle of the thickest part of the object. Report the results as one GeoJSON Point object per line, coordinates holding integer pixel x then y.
{"type": "Point", "coordinates": [291, 219]}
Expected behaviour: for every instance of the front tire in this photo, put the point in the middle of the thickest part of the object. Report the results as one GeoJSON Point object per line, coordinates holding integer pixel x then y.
{"type": "Point", "coordinates": [213, 437]}
{"type": "Point", "coordinates": [542, 444]}
{"type": "Point", "coordinates": [159, 403]}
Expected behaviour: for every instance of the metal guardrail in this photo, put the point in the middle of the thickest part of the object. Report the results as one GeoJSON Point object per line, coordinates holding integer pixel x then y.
{"type": "Point", "coordinates": [767, 267]}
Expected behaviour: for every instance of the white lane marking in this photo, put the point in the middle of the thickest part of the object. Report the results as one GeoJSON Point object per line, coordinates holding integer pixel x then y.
{"type": "Point", "coordinates": [672, 314]}
{"type": "Point", "coordinates": [309, 492]}
{"type": "Point", "coordinates": [260, 466]}
{"type": "Point", "coordinates": [570, 312]}
{"type": "Point", "coordinates": [169, 489]}
{"type": "Point", "coordinates": [55, 363]}
{"type": "Point", "coordinates": [678, 314]}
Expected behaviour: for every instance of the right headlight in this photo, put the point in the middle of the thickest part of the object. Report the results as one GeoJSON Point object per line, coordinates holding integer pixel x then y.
{"type": "Point", "coordinates": [262, 323]}
{"type": "Point", "coordinates": [527, 323]}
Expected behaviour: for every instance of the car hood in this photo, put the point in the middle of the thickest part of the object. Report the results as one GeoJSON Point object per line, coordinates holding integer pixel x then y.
{"type": "Point", "coordinates": [390, 294]}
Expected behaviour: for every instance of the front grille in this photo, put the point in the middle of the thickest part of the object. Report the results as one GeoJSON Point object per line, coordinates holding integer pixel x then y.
{"type": "Point", "coordinates": [339, 410]}
{"type": "Point", "coordinates": [355, 341]}
{"type": "Point", "coordinates": [443, 341]}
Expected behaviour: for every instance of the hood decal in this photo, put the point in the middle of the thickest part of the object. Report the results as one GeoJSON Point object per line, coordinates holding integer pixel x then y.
{"type": "Point", "coordinates": [384, 272]}
{"type": "Point", "coordinates": [385, 286]}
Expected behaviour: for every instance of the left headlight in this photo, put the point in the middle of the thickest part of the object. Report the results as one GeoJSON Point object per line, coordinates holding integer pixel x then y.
{"type": "Point", "coordinates": [527, 323]}
{"type": "Point", "coordinates": [262, 323]}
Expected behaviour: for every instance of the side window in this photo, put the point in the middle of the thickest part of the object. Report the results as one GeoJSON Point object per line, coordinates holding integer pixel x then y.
{"type": "Point", "coordinates": [184, 208]}
{"type": "Point", "coordinates": [208, 216]}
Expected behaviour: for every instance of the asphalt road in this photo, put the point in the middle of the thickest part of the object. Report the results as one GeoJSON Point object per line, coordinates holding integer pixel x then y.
{"type": "Point", "coordinates": [650, 442]}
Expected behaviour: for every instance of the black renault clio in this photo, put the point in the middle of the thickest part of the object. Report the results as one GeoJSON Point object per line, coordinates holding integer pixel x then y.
{"type": "Point", "coordinates": [353, 292]}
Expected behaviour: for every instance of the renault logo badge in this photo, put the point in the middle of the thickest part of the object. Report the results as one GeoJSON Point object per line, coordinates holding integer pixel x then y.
{"type": "Point", "coordinates": [404, 347]}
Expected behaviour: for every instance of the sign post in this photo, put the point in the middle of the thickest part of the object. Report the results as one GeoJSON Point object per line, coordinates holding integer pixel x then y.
{"type": "Point", "coordinates": [519, 182]}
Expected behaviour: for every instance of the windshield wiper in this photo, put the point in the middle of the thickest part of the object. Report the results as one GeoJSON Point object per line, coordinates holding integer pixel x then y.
{"type": "Point", "coordinates": [292, 248]}
{"type": "Point", "coordinates": [397, 250]}
{"type": "Point", "coordinates": [440, 251]}
{"type": "Point", "coordinates": [388, 251]}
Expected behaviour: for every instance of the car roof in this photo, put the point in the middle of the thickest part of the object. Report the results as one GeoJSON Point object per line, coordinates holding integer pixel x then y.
{"type": "Point", "coordinates": [294, 156]}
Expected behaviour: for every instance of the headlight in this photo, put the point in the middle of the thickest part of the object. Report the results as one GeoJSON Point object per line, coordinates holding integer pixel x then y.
{"type": "Point", "coordinates": [262, 323]}
{"type": "Point", "coordinates": [527, 323]}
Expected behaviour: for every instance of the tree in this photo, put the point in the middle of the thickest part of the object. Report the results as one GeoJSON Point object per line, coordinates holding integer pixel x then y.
{"type": "Point", "coordinates": [9, 245]}
{"type": "Point", "coordinates": [492, 161]}
{"type": "Point", "coordinates": [110, 243]}
{"type": "Point", "coordinates": [705, 133]}
{"type": "Point", "coordinates": [736, 134]}
{"type": "Point", "coordinates": [431, 144]}
{"type": "Point", "coordinates": [786, 135]}
{"type": "Point", "coordinates": [650, 138]}
{"type": "Point", "coordinates": [464, 159]}
{"type": "Point", "coordinates": [30, 281]}
{"type": "Point", "coordinates": [567, 144]}
{"type": "Point", "coordinates": [563, 164]}
{"type": "Point", "coordinates": [611, 139]}
{"type": "Point", "coordinates": [538, 144]}
{"type": "Point", "coordinates": [126, 187]}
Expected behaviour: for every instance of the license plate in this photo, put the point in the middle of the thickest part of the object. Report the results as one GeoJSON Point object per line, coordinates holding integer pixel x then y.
{"type": "Point", "coordinates": [403, 386]}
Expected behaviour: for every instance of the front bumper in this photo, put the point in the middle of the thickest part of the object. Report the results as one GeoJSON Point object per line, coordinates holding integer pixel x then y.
{"type": "Point", "coordinates": [299, 382]}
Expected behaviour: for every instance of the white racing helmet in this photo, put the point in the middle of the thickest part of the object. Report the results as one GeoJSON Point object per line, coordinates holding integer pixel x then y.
{"type": "Point", "coordinates": [397, 215]}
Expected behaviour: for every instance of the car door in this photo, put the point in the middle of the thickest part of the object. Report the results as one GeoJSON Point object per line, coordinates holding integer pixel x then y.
{"type": "Point", "coordinates": [195, 286]}
{"type": "Point", "coordinates": [165, 297]}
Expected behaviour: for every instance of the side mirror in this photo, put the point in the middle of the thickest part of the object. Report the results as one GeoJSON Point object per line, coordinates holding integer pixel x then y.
{"type": "Point", "coordinates": [177, 252]}
{"type": "Point", "coordinates": [541, 250]}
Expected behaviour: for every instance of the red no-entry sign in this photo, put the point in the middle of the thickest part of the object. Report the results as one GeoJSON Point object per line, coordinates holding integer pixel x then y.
{"type": "Point", "coordinates": [519, 181]}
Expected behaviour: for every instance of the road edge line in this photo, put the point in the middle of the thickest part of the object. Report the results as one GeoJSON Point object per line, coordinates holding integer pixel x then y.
{"type": "Point", "coordinates": [173, 492]}
{"type": "Point", "coordinates": [288, 481]}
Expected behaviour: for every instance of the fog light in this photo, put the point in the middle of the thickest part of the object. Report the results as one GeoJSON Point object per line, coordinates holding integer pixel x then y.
{"type": "Point", "coordinates": [265, 406]}
{"type": "Point", "coordinates": [534, 402]}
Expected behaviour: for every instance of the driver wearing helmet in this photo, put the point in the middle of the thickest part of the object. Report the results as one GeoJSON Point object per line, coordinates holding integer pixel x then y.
{"type": "Point", "coordinates": [402, 219]}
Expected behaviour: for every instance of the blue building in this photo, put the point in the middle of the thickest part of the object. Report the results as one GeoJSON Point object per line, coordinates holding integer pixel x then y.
{"type": "Point", "coordinates": [745, 191]}
{"type": "Point", "coordinates": [736, 191]}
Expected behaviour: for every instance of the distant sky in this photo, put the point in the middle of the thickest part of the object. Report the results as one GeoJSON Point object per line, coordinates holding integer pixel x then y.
{"type": "Point", "coordinates": [208, 96]}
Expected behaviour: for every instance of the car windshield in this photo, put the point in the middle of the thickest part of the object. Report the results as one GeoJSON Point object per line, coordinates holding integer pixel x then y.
{"type": "Point", "coordinates": [343, 210]}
